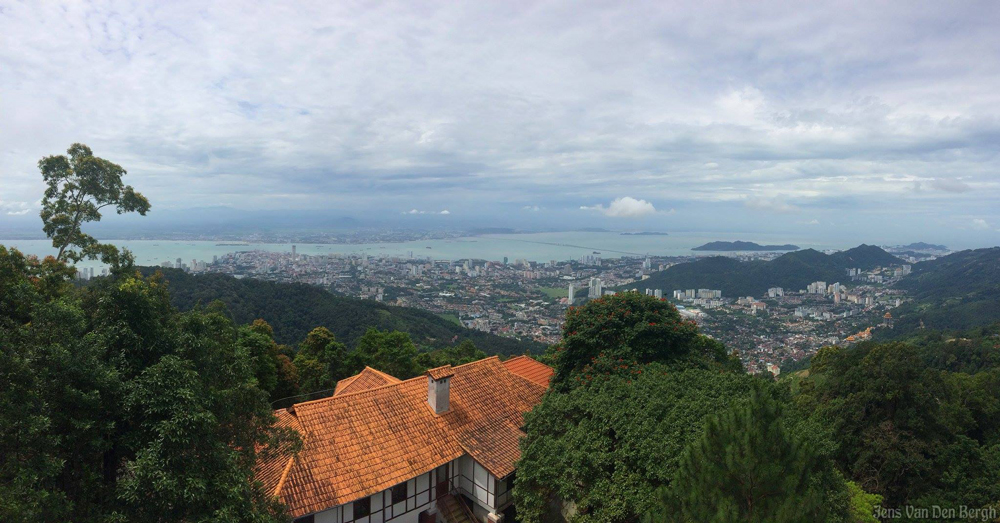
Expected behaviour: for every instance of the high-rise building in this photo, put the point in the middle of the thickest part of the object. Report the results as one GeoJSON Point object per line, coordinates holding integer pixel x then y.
{"type": "Point", "coordinates": [179, 265]}
{"type": "Point", "coordinates": [595, 290]}
{"type": "Point", "coordinates": [658, 294]}
{"type": "Point", "coordinates": [294, 255]}
{"type": "Point", "coordinates": [572, 294]}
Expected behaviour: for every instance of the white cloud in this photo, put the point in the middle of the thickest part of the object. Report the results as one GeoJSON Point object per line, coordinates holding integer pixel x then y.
{"type": "Point", "coordinates": [532, 208]}
{"type": "Point", "coordinates": [417, 211]}
{"type": "Point", "coordinates": [14, 208]}
{"type": "Point", "coordinates": [624, 207]}
{"type": "Point", "coordinates": [980, 224]}
{"type": "Point", "coordinates": [807, 100]}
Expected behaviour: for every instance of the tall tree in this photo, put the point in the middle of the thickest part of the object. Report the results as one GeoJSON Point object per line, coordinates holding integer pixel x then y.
{"type": "Point", "coordinates": [79, 186]}
{"type": "Point", "coordinates": [321, 361]}
{"type": "Point", "coordinates": [391, 352]}
{"type": "Point", "coordinates": [747, 467]}
{"type": "Point", "coordinates": [632, 326]}
{"type": "Point", "coordinates": [119, 408]}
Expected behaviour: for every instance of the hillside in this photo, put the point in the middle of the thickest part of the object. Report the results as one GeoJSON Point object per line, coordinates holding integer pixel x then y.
{"type": "Point", "coordinates": [293, 309]}
{"type": "Point", "coordinates": [794, 270]}
{"type": "Point", "coordinates": [958, 291]}
{"type": "Point", "coordinates": [865, 257]}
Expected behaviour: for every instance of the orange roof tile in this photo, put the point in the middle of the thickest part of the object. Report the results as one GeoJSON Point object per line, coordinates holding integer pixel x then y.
{"type": "Point", "coordinates": [530, 369]}
{"type": "Point", "coordinates": [272, 467]}
{"type": "Point", "coordinates": [357, 444]}
{"type": "Point", "coordinates": [441, 373]}
{"type": "Point", "coordinates": [368, 378]}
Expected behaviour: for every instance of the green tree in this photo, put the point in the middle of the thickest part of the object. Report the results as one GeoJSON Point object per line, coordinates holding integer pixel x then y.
{"type": "Point", "coordinates": [631, 326]}
{"type": "Point", "coordinates": [748, 467]}
{"type": "Point", "coordinates": [117, 407]}
{"type": "Point", "coordinates": [603, 448]}
{"type": "Point", "coordinates": [321, 361]}
{"type": "Point", "coordinates": [391, 352]}
{"type": "Point", "coordinates": [79, 186]}
{"type": "Point", "coordinates": [464, 352]}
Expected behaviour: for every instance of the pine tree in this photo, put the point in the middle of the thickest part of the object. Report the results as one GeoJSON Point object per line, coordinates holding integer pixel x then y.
{"type": "Point", "coordinates": [747, 467]}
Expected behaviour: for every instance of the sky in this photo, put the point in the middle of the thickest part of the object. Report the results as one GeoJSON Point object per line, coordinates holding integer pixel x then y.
{"type": "Point", "coordinates": [871, 120]}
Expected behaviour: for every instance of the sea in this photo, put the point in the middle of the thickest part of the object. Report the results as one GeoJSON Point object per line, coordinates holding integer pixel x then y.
{"type": "Point", "coordinates": [539, 247]}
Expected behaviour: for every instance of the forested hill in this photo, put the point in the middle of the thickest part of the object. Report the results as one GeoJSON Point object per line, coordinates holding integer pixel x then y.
{"type": "Point", "coordinates": [865, 257]}
{"type": "Point", "coordinates": [293, 309]}
{"type": "Point", "coordinates": [958, 291]}
{"type": "Point", "coordinates": [794, 271]}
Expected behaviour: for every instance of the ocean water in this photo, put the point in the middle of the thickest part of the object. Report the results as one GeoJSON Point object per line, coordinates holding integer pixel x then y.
{"type": "Point", "coordinates": [559, 246]}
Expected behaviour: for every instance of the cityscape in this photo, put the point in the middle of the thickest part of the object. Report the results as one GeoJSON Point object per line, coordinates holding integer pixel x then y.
{"type": "Point", "coordinates": [528, 300]}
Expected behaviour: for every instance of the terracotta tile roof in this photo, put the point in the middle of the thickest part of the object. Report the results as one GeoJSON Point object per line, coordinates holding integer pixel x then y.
{"type": "Point", "coordinates": [530, 369]}
{"type": "Point", "coordinates": [361, 443]}
{"type": "Point", "coordinates": [368, 378]}
{"type": "Point", "coordinates": [441, 373]}
{"type": "Point", "coordinates": [272, 468]}
{"type": "Point", "coordinates": [494, 445]}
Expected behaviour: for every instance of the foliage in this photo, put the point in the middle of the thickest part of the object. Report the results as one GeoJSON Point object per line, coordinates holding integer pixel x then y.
{"type": "Point", "coordinates": [391, 352]}
{"type": "Point", "coordinates": [630, 326]}
{"type": "Point", "coordinates": [120, 408]}
{"type": "Point", "coordinates": [955, 292]}
{"type": "Point", "coordinates": [862, 504]}
{"type": "Point", "coordinates": [294, 309]}
{"type": "Point", "coordinates": [607, 445]}
{"type": "Point", "coordinates": [465, 352]}
{"type": "Point", "coordinates": [748, 467]}
{"type": "Point", "coordinates": [78, 188]}
{"type": "Point", "coordinates": [904, 429]}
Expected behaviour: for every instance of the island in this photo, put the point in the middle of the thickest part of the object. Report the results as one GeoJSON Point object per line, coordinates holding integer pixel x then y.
{"type": "Point", "coordinates": [645, 233]}
{"type": "Point", "coordinates": [921, 246]}
{"type": "Point", "coordinates": [743, 246]}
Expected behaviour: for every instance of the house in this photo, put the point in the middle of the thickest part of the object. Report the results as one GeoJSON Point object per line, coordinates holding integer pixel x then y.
{"type": "Point", "coordinates": [436, 448]}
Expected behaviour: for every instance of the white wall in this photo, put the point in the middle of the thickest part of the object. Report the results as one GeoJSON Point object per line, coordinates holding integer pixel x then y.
{"type": "Point", "coordinates": [420, 498]}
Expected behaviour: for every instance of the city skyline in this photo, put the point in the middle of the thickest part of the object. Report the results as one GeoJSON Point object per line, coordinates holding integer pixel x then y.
{"type": "Point", "coordinates": [834, 121]}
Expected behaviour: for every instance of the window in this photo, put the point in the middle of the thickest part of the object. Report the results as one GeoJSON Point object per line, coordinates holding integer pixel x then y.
{"type": "Point", "coordinates": [306, 519]}
{"type": "Point", "coordinates": [399, 493]}
{"type": "Point", "coordinates": [362, 508]}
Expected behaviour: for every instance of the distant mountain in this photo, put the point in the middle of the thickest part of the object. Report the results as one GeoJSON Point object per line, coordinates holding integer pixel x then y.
{"type": "Point", "coordinates": [793, 271]}
{"type": "Point", "coordinates": [958, 291]}
{"type": "Point", "coordinates": [865, 257]}
{"type": "Point", "coordinates": [644, 233]}
{"type": "Point", "coordinates": [293, 309]}
{"type": "Point", "coordinates": [743, 246]}
{"type": "Point", "coordinates": [921, 246]}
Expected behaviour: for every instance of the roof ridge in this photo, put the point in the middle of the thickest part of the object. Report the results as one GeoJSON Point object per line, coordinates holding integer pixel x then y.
{"type": "Point", "coordinates": [398, 383]}
{"type": "Point", "coordinates": [380, 373]}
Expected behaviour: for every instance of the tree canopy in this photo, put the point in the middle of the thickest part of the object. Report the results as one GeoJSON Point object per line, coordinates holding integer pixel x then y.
{"type": "Point", "coordinates": [118, 407]}
{"type": "Point", "coordinates": [78, 187]}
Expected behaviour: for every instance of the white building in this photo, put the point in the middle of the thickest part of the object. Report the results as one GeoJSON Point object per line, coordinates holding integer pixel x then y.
{"type": "Point", "coordinates": [596, 290]}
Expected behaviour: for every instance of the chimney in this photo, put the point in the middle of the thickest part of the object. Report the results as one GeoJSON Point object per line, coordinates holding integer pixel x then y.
{"type": "Point", "coordinates": [438, 387]}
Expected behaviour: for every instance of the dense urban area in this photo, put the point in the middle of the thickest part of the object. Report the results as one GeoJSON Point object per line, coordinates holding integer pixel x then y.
{"type": "Point", "coordinates": [528, 300]}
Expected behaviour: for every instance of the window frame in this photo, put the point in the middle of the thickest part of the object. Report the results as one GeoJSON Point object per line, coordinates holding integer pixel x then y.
{"type": "Point", "coordinates": [366, 503]}
{"type": "Point", "coordinates": [394, 495]}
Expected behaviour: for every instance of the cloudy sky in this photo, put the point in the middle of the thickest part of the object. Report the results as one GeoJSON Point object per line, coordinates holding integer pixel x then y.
{"type": "Point", "coordinates": [875, 120]}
